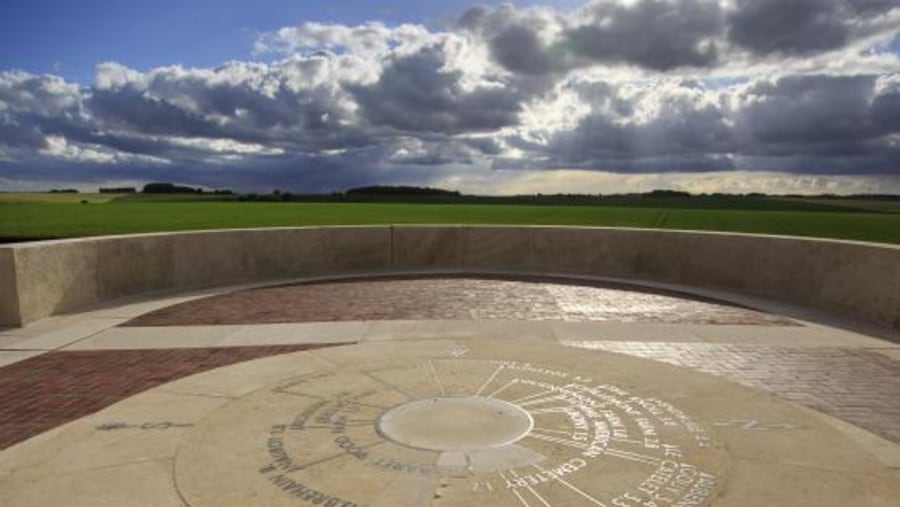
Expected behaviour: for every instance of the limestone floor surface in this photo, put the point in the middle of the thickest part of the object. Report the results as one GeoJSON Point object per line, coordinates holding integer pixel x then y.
{"type": "Point", "coordinates": [72, 407]}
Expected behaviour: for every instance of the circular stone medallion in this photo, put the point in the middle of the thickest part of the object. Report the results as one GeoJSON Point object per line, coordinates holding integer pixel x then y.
{"type": "Point", "coordinates": [510, 424]}
{"type": "Point", "coordinates": [455, 424]}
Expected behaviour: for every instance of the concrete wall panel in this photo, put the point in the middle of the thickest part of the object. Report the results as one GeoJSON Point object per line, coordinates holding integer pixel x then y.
{"type": "Point", "coordinates": [853, 279]}
{"type": "Point", "coordinates": [210, 258]}
{"type": "Point", "coordinates": [423, 248]}
{"type": "Point", "coordinates": [9, 291]}
{"type": "Point", "coordinates": [496, 248]}
{"type": "Point", "coordinates": [56, 277]}
{"type": "Point", "coordinates": [135, 265]}
{"type": "Point", "coordinates": [284, 253]}
{"type": "Point", "coordinates": [356, 249]}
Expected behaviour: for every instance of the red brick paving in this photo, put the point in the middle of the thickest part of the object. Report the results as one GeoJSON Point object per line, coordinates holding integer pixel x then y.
{"type": "Point", "coordinates": [49, 390]}
{"type": "Point", "coordinates": [856, 385]}
{"type": "Point", "coordinates": [453, 298]}
{"type": "Point", "coordinates": [859, 386]}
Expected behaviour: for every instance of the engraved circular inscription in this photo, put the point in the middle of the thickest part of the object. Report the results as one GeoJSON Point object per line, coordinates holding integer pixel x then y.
{"type": "Point", "coordinates": [500, 424]}
{"type": "Point", "coordinates": [455, 424]}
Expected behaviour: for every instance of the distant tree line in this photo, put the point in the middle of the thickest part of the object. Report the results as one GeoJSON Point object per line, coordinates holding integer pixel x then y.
{"type": "Point", "coordinates": [170, 188]}
{"type": "Point", "coordinates": [413, 194]}
{"type": "Point", "coordinates": [400, 190]}
{"type": "Point", "coordinates": [406, 193]}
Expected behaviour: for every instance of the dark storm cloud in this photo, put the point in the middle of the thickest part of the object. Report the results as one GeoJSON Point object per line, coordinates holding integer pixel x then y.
{"type": "Point", "coordinates": [886, 111]}
{"type": "Point", "coordinates": [828, 123]}
{"type": "Point", "coordinates": [416, 93]}
{"type": "Point", "coordinates": [133, 110]}
{"type": "Point", "coordinates": [832, 124]}
{"type": "Point", "coordinates": [519, 49]}
{"type": "Point", "coordinates": [253, 104]}
{"type": "Point", "coordinates": [800, 27]}
{"type": "Point", "coordinates": [21, 137]}
{"type": "Point", "coordinates": [657, 130]}
{"type": "Point", "coordinates": [789, 26]}
{"type": "Point", "coordinates": [809, 110]}
{"type": "Point", "coordinates": [873, 7]}
{"type": "Point", "coordinates": [513, 39]}
{"type": "Point", "coordinates": [655, 34]}
{"type": "Point", "coordinates": [664, 35]}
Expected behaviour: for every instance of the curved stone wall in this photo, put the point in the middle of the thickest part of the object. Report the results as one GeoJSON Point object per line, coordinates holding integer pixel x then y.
{"type": "Point", "coordinates": [860, 280]}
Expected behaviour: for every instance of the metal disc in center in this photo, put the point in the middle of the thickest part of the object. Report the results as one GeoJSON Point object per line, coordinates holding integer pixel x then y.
{"type": "Point", "coordinates": [455, 424]}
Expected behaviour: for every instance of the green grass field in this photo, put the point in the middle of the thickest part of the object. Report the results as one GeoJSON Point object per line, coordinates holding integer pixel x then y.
{"type": "Point", "coordinates": [35, 216]}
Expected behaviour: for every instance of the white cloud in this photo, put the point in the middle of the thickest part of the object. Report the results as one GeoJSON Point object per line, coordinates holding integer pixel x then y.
{"type": "Point", "coordinates": [60, 148]}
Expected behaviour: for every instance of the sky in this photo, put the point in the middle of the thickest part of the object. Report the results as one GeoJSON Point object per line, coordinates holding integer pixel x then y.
{"type": "Point", "coordinates": [573, 96]}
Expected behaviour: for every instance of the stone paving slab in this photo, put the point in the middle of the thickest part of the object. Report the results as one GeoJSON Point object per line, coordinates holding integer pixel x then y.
{"type": "Point", "coordinates": [169, 337]}
{"type": "Point", "coordinates": [123, 338]}
{"type": "Point", "coordinates": [459, 329]}
{"type": "Point", "coordinates": [607, 430]}
{"type": "Point", "coordinates": [454, 298]}
{"type": "Point", "coordinates": [55, 333]}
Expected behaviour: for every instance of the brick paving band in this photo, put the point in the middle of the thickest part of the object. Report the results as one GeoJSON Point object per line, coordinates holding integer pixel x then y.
{"type": "Point", "coordinates": [52, 389]}
{"type": "Point", "coordinates": [859, 386]}
{"type": "Point", "coordinates": [454, 298]}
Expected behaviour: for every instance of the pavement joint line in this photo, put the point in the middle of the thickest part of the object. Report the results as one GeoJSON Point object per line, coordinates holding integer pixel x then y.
{"type": "Point", "coordinates": [67, 345]}
{"type": "Point", "coordinates": [163, 389]}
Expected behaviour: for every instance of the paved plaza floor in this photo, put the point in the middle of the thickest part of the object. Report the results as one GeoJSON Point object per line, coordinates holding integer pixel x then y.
{"type": "Point", "coordinates": [580, 392]}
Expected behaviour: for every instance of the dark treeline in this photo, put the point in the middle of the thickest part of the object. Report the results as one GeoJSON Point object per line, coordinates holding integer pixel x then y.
{"type": "Point", "coordinates": [669, 199]}
{"type": "Point", "coordinates": [401, 190]}
{"type": "Point", "coordinates": [415, 194]}
{"type": "Point", "coordinates": [170, 188]}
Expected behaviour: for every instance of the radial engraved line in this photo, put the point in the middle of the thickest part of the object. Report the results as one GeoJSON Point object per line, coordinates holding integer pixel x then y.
{"type": "Point", "coordinates": [559, 441]}
{"type": "Point", "coordinates": [541, 400]}
{"type": "Point", "coordinates": [436, 379]}
{"type": "Point", "coordinates": [533, 492]}
{"type": "Point", "coordinates": [278, 390]}
{"type": "Point", "coordinates": [551, 410]}
{"type": "Point", "coordinates": [626, 441]}
{"type": "Point", "coordinates": [573, 488]}
{"type": "Point", "coordinates": [514, 491]}
{"type": "Point", "coordinates": [388, 384]}
{"type": "Point", "coordinates": [311, 464]}
{"type": "Point", "coordinates": [489, 380]}
{"type": "Point", "coordinates": [333, 400]}
{"type": "Point", "coordinates": [564, 432]}
{"type": "Point", "coordinates": [632, 456]}
{"type": "Point", "coordinates": [520, 400]}
{"type": "Point", "coordinates": [505, 387]}
{"type": "Point", "coordinates": [323, 460]}
{"type": "Point", "coordinates": [360, 424]}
